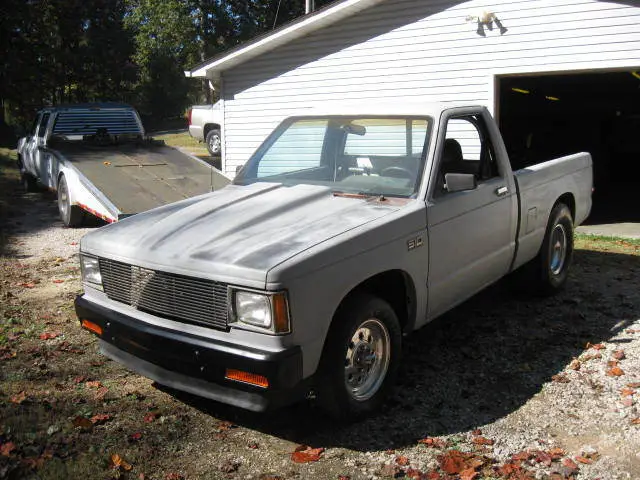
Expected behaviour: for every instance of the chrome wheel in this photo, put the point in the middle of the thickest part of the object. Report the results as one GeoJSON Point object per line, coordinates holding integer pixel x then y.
{"type": "Point", "coordinates": [558, 249]}
{"type": "Point", "coordinates": [63, 199]}
{"type": "Point", "coordinates": [214, 144]}
{"type": "Point", "coordinates": [367, 359]}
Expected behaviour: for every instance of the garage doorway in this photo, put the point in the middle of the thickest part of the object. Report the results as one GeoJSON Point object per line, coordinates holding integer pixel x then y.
{"type": "Point", "coordinates": [546, 116]}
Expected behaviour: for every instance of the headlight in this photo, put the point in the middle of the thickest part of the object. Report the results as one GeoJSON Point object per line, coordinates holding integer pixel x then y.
{"type": "Point", "coordinates": [90, 268]}
{"type": "Point", "coordinates": [265, 311]}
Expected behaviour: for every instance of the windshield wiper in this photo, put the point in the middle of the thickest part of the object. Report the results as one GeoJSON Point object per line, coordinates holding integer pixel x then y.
{"type": "Point", "coordinates": [380, 196]}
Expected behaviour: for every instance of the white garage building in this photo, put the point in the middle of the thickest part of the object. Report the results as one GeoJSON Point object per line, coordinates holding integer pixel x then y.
{"type": "Point", "coordinates": [559, 75]}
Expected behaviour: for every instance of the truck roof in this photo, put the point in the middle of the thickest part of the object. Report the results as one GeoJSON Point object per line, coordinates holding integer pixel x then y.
{"type": "Point", "coordinates": [400, 108]}
{"type": "Point", "coordinates": [85, 106]}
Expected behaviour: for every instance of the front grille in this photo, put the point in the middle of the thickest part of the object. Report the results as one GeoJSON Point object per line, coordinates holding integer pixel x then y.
{"type": "Point", "coordinates": [178, 297]}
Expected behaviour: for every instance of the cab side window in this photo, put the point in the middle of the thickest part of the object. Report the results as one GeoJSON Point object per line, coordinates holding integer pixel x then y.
{"type": "Point", "coordinates": [42, 126]}
{"type": "Point", "coordinates": [467, 149]}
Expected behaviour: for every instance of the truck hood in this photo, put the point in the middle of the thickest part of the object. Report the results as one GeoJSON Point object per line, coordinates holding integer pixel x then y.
{"type": "Point", "coordinates": [235, 234]}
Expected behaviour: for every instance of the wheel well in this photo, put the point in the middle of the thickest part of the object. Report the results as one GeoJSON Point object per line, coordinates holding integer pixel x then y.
{"type": "Point", "coordinates": [569, 201]}
{"type": "Point", "coordinates": [396, 288]}
{"type": "Point", "coordinates": [210, 126]}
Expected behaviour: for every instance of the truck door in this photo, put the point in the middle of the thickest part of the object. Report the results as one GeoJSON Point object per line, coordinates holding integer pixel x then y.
{"type": "Point", "coordinates": [471, 232]}
{"type": "Point", "coordinates": [30, 146]}
{"type": "Point", "coordinates": [40, 165]}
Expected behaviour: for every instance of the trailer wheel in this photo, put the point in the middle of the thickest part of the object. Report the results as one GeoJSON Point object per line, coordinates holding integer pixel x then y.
{"type": "Point", "coordinates": [71, 215]}
{"type": "Point", "coordinates": [551, 266]}
{"type": "Point", "coordinates": [29, 183]}
{"type": "Point", "coordinates": [214, 144]}
{"type": "Point", "coordinates": [360, 359]}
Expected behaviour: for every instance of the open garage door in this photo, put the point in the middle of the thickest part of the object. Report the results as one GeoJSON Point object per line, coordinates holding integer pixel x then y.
{"type": "Point", "coordinates": [546, 116]}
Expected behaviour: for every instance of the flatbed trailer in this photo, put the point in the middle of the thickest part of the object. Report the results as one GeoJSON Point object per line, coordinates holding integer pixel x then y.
{"type": "Point", "coordinates": [99, 161]}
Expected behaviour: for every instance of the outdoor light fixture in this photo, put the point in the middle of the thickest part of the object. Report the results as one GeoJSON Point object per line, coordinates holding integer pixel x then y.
{"type": "Point", "coordinates": [486, 19]}
{"type": "Point", "coordinates": [520, 90]}
{"type": "Point", "coordinates": [553, 99]}
{"type": "Point", "coordinates": [635, 74]}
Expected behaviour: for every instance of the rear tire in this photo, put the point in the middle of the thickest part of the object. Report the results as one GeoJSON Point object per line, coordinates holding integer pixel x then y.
{"type": "Point", "coordinates": [214, 142]}
{"type": "Point", "coordinates": [71, 215]}
{"type": "Point", "coordinates": [551, 266]}
{"type": "Point", "coordinates": [360, 360]}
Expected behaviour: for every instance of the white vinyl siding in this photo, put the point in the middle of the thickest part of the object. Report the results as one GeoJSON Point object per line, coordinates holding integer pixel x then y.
{"type": "Point", "coordinates": [420, 49]}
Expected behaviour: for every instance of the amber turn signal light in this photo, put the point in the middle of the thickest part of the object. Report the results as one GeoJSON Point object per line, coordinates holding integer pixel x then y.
{"type": "Point", "coordinates": [92, 327]}
{"type": "Point", "coordinates": [246, 377]}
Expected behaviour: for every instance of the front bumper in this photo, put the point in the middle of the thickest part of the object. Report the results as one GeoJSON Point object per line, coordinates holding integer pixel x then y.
{"type": "Point", "coordinates": [196, 364]}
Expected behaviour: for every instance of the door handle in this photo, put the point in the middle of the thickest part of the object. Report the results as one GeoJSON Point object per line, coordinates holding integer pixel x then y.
{"type": "Point", "coordinates": [501, 191]}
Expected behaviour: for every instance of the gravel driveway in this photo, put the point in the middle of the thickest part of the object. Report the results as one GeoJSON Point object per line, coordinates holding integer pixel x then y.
{"type": "Point", "coordinates": [503, 387]}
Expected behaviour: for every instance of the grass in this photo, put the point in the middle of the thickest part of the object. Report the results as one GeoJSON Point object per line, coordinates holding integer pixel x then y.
{"type": "Point", "coordinates": [182, 140]}
{"type": "Point", "coordinates": [603, 243]}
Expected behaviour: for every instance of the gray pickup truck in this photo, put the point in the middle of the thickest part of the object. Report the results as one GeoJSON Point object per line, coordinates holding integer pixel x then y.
{"type": "Point", "coordinates": [348, 228]}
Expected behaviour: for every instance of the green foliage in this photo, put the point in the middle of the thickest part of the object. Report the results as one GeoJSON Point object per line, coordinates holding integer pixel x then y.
{"type": "Point", "coordinates": [136, 51]}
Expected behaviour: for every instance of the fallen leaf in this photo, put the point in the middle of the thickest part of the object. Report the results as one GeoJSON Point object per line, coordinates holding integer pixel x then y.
{"type": "Point", "coordinates": [612, 363]}
{"type": "Point", "coordinates": [584, 460]}
{"type": "Point", "coordinates": [560, 378]}
{"type": "Point", "coordinates": [269, 476]}
{"type": "Point", "coordinates": [570, 464]}
{"type": "Point", "coordinates": [627, 392]}
{"type": "Point", "coordinates": [615, 372]}
{"type": "Point", "coordinates": [522, 456]}
{"type": "Point", "coordinates": [253, 445]}
{"type": "Point", "coordinates": [575, 364]}
{"type": "Point", "coordinates": [151, 416]}
{"type": "Point", "coordinates": [93, 384]}
{"type": "Point", "coordinates": [305, 454]}
{"type": "Point", "coordinates": [229, 467]}
{"type": "Point", "coordinates": [468, 474]}
{"type": "Point", "coordinates": [102, 391]}
{"type": "Point", "coordinates": [118, 462]}
{"type": "Point", "coordinates": [73, 243]}
{"type": "Point", "coordinates": [452, 462]}
{"type": "Point", "coordinates": [618, 354]}
{"type": "Point", "coordinates": [482, 441]}
{"type": "Point", "coordinates": [83, 423]}
{"type": "Point", "coordinates": [7, 448]}
{"type": "Point", "coordinates": [477, 431]}
{"type": "Point", "coordinates": [402, 461]}
{"type": "Point", "coordinates": [543, 458]}
{"type": "Point", "coordinates": [413, 473]}
{"type": "Point", "coordinates": [225, 425]}
{"type": "Point", "coordinates": [79, 379]}
{"type": "Point", "coordinates": [627, 401]}
{"type": "Point", "coordinates": [635, 421]}
{"type": "Point", "coordinates": [58, 281]}
{"type": "Point", "coordinates": [633, 385]}
{"type": "Point", "coordinates": [27, 285]}
{"type": "Point", "coordinates": [19, 398]}
{"type": "Point", "coordinates": [556, 453]}
{"type": "Point", "coordinates": [100, 418]}
{"type": "Point", "coordinates": [597, 346]}
{"type": "Point", "coordinates": [174, 476]}
{"type": "Point", "coordinates": [433, 442]}
{"type": "Point", "coordinates": [49, 335]}
{"type": "Point", "coordinates": [347, 477]}
{"type": "Point", "coordinates": [135, 436]}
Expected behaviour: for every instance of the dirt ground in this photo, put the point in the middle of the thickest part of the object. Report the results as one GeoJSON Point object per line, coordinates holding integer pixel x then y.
{"type": "Point", "coordinates": [504, 387]}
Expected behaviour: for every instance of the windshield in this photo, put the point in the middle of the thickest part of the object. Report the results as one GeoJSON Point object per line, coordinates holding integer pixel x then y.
{"type": "Point", "coordinates": [363, 155]}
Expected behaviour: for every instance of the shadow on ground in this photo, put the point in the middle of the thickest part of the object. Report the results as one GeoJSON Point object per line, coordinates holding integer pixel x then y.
{"type": "Point", "coordinates": [474, 365]}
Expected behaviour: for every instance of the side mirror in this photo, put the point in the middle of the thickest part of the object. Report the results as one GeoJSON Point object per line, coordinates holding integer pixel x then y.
{"type": "Point", "coordinates": [459, 182]}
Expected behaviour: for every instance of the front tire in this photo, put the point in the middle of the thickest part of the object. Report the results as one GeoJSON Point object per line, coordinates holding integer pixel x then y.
{"type": "Point", "coordinates": [360, 359]}
{"type": "Point", "coordinates": [71, 215]}
{"type": "Point", "coordinates": [556, 254]}
{"type": "Point", "coordinates": [214, 143]}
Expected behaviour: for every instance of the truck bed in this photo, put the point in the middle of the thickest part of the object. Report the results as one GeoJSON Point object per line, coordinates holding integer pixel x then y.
{"type": "Point", "coordinates": [138, 177]}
